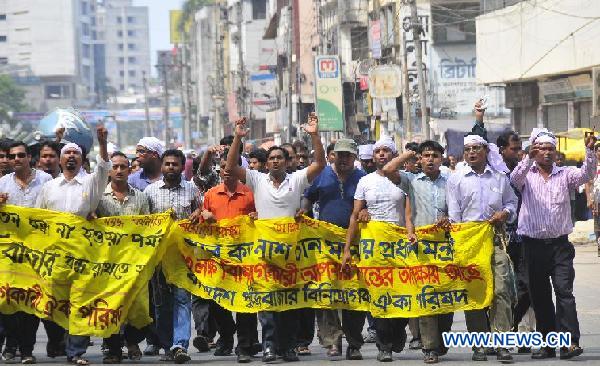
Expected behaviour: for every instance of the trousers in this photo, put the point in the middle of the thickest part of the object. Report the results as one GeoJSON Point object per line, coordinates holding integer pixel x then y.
{"type": "Point", "coordinates": [552, 260]}
{"type": "Point", "coordinates": [432, 327]}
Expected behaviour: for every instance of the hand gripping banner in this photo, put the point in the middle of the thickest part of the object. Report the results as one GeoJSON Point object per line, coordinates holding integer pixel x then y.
{"type": "Point", "coordinates": [90, 277]}
{"type": "Point", "coordinates": [250, 266]}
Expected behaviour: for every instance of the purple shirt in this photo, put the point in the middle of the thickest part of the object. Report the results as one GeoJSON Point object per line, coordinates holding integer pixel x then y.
{"type": "Point", "coordinates": [546, 208]}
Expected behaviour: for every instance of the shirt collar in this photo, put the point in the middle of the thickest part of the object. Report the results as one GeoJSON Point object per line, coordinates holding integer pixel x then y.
{"type": "Point", "coordinates": [161, 184]}
{"type": "Point", "coordinates": [221, 189]}
{"type": "Point", "coordinates": [423, 176]}
{"type": "Point", "coordinates": [78, 178]}
{"type": "Point", "coordinates": [109, 190]}
{"type": "Point", "coordinates": [467, 170]}
{"type": "Point", "coordinates": [555, 169]}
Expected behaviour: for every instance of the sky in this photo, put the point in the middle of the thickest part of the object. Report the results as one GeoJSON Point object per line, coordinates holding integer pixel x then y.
{"type": "Point", "coordinates": [159, 23]}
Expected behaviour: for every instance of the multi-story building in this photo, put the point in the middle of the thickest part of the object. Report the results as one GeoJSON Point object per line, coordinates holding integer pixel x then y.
{"type": "Point", "coordinates": [124, 33]}
{"type": "Point", "coordinates": [48, 47]}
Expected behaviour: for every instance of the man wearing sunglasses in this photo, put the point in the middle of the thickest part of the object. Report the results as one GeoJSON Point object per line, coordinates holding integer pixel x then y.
{"type": "Point", "coordinates": [21, 188]}
{"type": "Point", "coordinates": [5, 167]}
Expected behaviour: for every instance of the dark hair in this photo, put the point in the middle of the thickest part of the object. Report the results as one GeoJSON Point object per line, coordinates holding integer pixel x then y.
{"type": "Point", "coordinates": [51, 144]}
{"type": "Point", "coordinates": [5, 144]}
{"type": "Point", "coordinates": [412, 146]}
{"type": "Point", "coordinates": [561, 154]}
{"type": "Point", "coordinates": [258, 154]}
{"type": "Point", "coordinates": [330, 147]}
{"type": "Point", "coordinates": [505, 139]}
{"type": "Point", "coordinates": [118, 153]}
{"type": "Point", "coordinates": [284, 151]}
{"type": "Point", "coordinates": [174, 152]}
{"type": "Point", "coordinates": [284, 145]}
{"type": "Point", "coordinates": [227, 140]}
{"type": "Point", "coordinates": [300, 146]}
{"type": "Point", "coordinates": [20, 143]}
{"type": "Point", "coordinates": [430, 145]}
{"type": "Point", "coordinates": [224, 157]}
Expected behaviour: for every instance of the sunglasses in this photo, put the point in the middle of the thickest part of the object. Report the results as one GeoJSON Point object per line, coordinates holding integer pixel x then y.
{"type": "Point", "coordinates": [20, 155]}
{"type": "Point", "coordinates": [476, 148]}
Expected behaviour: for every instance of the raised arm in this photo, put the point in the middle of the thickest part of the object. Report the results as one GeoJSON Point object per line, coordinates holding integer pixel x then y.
{"type": "Point", "coordinates": [312, 128]}
{"type": "Point", "coordinates": [234, 151]}
{"type": "Point", "coordinates": [207, 158]}
{"type": "Point", "coordinates": [583, 175]}
{"type": "Point", "coordinates": [519, 174]}
{"type": "Point", "coordinates": [392, 169]}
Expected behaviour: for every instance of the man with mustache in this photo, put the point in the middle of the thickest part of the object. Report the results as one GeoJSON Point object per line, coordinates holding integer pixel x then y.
{"type": "Point", "coordinates": [49, 160]}
{"type": "Point", "coordinates": [120, 199]}
{"type": "Point", "coordinates": [77, 194]}
{"type": "Point", "coordinates": [5, 167]}
{"type": "Point", "coordinates": [544, 225]}
{"type": "Point", "coordinates": [21, 188]}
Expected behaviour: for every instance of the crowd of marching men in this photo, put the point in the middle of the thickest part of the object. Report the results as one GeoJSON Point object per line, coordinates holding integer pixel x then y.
{"type": "Point", "coordinates": [525, 195]}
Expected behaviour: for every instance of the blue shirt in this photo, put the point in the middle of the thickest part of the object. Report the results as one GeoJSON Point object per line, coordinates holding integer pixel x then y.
{"type": "Point", "coordinates": [140, 181]}
{"type": "Point", "coordinates": [428, 198]}
{"type": "Point", "coordinates": [474, 197]}
{"type": "Point", "coordinates": [336, 200]}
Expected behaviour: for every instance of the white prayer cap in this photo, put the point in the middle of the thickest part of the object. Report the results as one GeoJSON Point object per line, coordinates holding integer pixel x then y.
{"type": "Point", "coordinates": [111, 148]}
{"type": "Point", "coordinates": [71, 146]}
{"type": "Point", "coordinates": [475, 140]}
{"type": "Point", "coordinates": [152, 144]}
{"type": "Point", "coordinates": [541, 136]}
{"type": "Point", "coordinates": [365, 152]}
{"type": "Point", "coordinates": [387, 143]}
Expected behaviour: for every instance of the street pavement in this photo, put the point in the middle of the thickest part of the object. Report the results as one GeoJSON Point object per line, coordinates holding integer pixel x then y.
{"type": "Point", "coordinates": [587, 293]}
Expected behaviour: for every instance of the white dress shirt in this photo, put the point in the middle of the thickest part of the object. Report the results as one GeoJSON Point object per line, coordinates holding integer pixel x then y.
{"type": "Point", "coordinates": [80, 195]}
{"type": "Point", "coordinates": [24, 196]}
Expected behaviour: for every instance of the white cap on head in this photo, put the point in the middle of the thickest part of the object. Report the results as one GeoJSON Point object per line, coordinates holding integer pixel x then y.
{"type": "Point", "coordinates": [71, 146]}
{"type": "Point", "coordinates": [152, 144]}
{"type": "Point", "coordinates": [387, 143]}
{"type": "Point", "coordinates": [541, 136]}
{"type": "Point", "coordinates": [365, 152]}
{"type": "Point", "coordinates": [474, 140]}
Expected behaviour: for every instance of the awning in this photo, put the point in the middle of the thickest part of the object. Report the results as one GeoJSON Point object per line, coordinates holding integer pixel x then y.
{"type": "Point", "coordinates": [271, 31]}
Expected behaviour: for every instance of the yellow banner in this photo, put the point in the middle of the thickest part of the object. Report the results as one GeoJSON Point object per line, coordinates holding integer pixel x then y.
{"type": "Point", "coordinates": [88, 276]}
{"type": "Point", "coordinates": [250, 266]}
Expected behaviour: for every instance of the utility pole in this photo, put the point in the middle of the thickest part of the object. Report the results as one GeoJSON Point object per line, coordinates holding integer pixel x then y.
{"type": "Point", "coordinates": [185, 106]}
{"type": "Point", "coordinates": [406, 93]}
{"type": "Point", "coordinates": [241, 94]}
{"type": "Point", "coordinates": [148, 130]}
{"type": "Point", "coordinates": [417, 28]}
{"type": "Point", "coordinates": [163, 68]}
{"type": "Point", "coordinates": [218, 93]}
{"type": "Point", "coordinates": [290, 73]}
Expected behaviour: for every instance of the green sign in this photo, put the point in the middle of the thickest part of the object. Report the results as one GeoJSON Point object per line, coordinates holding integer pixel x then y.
{"type": "Point", "coordinates": [330, 101]}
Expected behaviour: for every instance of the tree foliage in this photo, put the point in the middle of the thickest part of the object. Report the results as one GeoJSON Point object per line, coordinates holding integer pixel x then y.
{"type": "Point", "coordinates": [190, 7]}
{"type": "Point", "coordinates": [12, 97]}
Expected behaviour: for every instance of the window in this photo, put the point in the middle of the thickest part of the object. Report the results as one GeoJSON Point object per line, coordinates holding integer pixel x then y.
{"type": "Point", "coordinates": [84, 8]}
{"type": "Point", "coordinates": [121, 60]}
{"type": "Point", "coordinates": [122, 73]}
{"type": "Point", "coordinates": [85, 29]}
{"type": "Point", "coordinates": [58, 92]}
{"type": "Point", "coordinates": [121, 87]}
{"type": "Point", "coordinates": [2, 16]}
{"type": "Point", "coordinates": [3, 60]}
{"type": "Point", "coordinates": [133, 86]}
{"type": "Point", "coordinates": [130, 20]}
{"type": "Point", "coordinates": [119, 20]}
{"type": "Point", "coordinates": [85, 50]}
{"type": "Point", "coordinates": [120, 33]}
{"type": "Point", "coordinates": [2, 38]}
{"type": "Point", "coordinates": [132, 73]}
{"type": "Point", "coordinates": [259, 9]}
{"type": "Point", "coordinates": [131, 46]}
{"type": "Point", "coordinates": [131, 60]}
{"type": "Point", "coordinates": [131, 33]}
{"type": "Point", "coordinates": [120, 46]}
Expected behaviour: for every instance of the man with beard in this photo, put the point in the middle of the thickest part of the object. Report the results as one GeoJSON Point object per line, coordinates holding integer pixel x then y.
{"type": "Point", "coordinates": [292, 162]}
{"type": "Point", "coordinates": [481, 191]}
{"type": "Point", "coordinates": [173, 316]}
{"type": "Point", "coordinates": [148, 152]}
{"type": "Point", "coordinates": [365, 154]}
{"type": "Point", "coordinates": [278, 194]}
{"type": "Point", "coordinates": [49, 160]}
{"type": "Point", "coordinates": [384, 201]}
{"type": "Point", "coordinates": [21, 188]}
{"type": "Point", "coordinates": [334, 191]}
{"type": "Point", "coordinates": [227, 201]}
{"type": "Point", "coordinates": [544, 226]}
{"type": "Point", "coordinates": [120, 199]}
{"type": "Point", "coordinates": [77, 194]}
{"type": "Point", "coordinates": [5, 167]}
{"type": "Point", "coordinates": [427, 194]}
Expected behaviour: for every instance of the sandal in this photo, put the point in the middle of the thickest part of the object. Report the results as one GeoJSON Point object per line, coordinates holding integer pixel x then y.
{"type": "Point", "coordinates": [431, 357]}
{"type": "Point", "coordinates": [303, 351]}
{"type": "Point", "coordinates": [134, 353]}
{"type": "Point", "coordinates": [78, 360]}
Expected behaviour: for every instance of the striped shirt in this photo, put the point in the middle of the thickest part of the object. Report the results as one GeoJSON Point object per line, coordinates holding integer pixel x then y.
{"type": "Point", "coordinates": [135, 203]}
{"type": "Point", "coordinates": [183, 198]}
{"type": "Point", "coordinates": [476, 197]}
{"type": "Point", "coordinates": [24, 196]}
{"type": "Point", "coordinates": [546, 208]}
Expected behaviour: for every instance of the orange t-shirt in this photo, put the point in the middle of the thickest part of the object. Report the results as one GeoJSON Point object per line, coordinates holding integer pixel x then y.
{"type": "Point", "coordinates": [223, 206]}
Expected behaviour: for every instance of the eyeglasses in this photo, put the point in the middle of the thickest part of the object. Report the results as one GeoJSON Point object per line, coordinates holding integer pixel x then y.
{"type": "Point", "coordinates": [476, 148]}
{"type": "Point", "coordinates": [141, 151]}
{"type": "Point", "coordinates": [20, 155]}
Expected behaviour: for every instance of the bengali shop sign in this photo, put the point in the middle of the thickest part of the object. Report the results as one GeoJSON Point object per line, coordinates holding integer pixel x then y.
{"type": "Point", "coordinates": [328, 88]}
